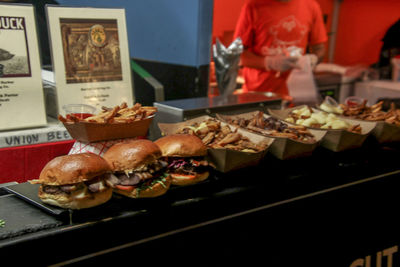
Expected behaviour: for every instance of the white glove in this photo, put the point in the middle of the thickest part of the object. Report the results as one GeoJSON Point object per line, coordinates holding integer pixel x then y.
{"type": "Point", "coordinates": [313, 60]}
{"type": "Point", "coordinates": [280, 62]}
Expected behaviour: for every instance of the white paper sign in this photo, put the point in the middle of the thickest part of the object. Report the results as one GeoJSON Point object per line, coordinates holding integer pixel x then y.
{"type": "Point", "coordinates": [90, 56]}
{"type": "Point", "coordinates": [21, 90]}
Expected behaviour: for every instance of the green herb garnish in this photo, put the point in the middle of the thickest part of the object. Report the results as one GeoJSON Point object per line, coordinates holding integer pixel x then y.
{"type": "Point", "coordinates": [2, 223]}
{"type": "Point", "coordinates": [161, 179]}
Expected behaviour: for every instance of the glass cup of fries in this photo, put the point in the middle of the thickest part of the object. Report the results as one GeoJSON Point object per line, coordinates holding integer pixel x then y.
{"type": "Point", "coordinates": [80, 111]}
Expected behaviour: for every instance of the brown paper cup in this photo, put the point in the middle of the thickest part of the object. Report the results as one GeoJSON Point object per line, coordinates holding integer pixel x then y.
{"type": "Point", "coordinates": [284, 148]}
{"type": "Point", "coordinates": [224, 159]}
{"type": "Point", "coordinates": [335, 140]}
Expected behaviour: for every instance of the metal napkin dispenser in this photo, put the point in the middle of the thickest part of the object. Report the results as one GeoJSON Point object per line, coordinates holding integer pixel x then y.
{"type": "Point", "coordinates": [184, 109]}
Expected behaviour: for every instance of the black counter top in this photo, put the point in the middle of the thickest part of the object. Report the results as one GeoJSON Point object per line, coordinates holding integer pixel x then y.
{"type": "Point", "coordinates": [202, 103]}
{"type": "Point", "coordinates": [271, 193]}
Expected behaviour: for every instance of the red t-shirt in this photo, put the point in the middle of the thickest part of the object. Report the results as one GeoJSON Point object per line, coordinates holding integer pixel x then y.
{"type": "Point", "coordinates": [268, 27]}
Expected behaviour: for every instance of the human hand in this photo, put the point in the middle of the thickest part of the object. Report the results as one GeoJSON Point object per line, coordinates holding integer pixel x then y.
{"type": "Point", "coordinates": [280, 62]}
{"type": "Point", "coordinates": [313, 60]}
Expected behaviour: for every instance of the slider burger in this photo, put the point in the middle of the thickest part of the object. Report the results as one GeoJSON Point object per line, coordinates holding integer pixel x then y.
{"type": "Point", "coordinates": [138, 170]}
{"type": "Point", "coordinates": [74, 181]}
{"type": "Point", "coordinates": [185, 156]}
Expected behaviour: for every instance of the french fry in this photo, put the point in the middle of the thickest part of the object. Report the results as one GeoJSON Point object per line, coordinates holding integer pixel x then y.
{"type": "Point", "coordinates": [215, 135]}
{"type": "Point", "coordinates": [123, 105]}
{"type": "Point", "coordinates": [73, 118]}
{"type": "Point", "coordinates": [111, 115]}
{"type": "Point", "coordinates": [62, 119]}
{"type": "Point", "coordinates": [273, 127]}
{"type": "Point", "coordinates": [118, 114]}
{"type": "Point", "coordinates": [373, 113]}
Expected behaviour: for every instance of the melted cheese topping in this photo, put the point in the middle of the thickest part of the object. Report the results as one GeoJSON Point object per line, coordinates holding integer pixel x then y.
{"type": "Point", "coordinates": [326, 120]}
{"type": "Point", "coordinates": [102, 187]}
{"type": "Point", "coordinates": [80, 193]}
{"type": "Point", "coordinates": [195, 129]}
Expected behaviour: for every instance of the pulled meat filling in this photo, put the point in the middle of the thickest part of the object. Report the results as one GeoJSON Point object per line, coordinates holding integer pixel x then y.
{"type": "Point", "coordinates": [137, 176]}
{"type": "Point", "coordinates": [95, 185]}
{"type": "Point", "coordinates": [188, 166]}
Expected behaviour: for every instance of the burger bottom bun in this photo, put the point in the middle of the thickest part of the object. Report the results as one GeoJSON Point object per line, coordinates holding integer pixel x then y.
{"type": "Point", "coordinates": [178, 179]}
{"type": "Point", "coordinates": [156, 190]}
{"type": "Point", "coordinates": [64, 201]}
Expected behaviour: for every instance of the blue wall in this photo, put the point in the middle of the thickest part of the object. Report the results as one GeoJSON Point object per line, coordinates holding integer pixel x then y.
{"type": "Point", "coordinates": [169, 31]}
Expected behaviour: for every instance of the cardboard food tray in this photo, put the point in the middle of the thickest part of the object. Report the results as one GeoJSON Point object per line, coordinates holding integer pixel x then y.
{"type": "Point", "coordinates": [92, 132]}
{"type": "Point", "coordinates": [383, 132]}
{"type": "Point", "coordinates": [284, 148]}
{"type": "Point", "coordinates": [225, 160]}
{"type": "Point", "coordinates": [386, 133]}
{"type": "Point", "coordinates": [335, 140]}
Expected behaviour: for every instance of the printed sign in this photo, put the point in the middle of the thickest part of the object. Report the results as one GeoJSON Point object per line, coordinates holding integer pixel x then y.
{"type": "Point", "coordinates": [50, 133]}
{"type": "Point", "coordinates": [388, 255]}
{"type": "Point", "coordinates": [21, 90]}
{"type": "Point", "coordinates": [90, 56]}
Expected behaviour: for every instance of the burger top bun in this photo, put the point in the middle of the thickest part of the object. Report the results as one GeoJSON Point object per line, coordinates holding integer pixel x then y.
{"type": "Point", "coordinates": [181, 145]}
{"type": "Point", "coordinates": [127, 156]}
{"type": "Point", "coordinates": [71, 169]}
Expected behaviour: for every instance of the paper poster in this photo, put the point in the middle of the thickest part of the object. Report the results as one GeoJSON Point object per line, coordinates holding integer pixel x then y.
{"type": "Point", "coordinates": [90, 55]}
{"type": "Point", "coordinates": [21, 90]}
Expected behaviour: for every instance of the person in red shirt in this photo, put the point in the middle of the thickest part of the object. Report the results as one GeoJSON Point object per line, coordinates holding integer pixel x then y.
{"type": "Point", "coordinates": [269, 29]}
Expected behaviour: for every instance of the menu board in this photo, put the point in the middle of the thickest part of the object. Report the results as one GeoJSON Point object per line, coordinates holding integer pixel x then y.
{"type": "Point", "coordinates": [21, 90]}
{"type": "Point", "coordinates": [90, 56]}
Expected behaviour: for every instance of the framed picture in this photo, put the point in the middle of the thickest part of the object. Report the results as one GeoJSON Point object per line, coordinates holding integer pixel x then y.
{"type": "Point", "coordinates": [14, 58]}
{"type": "Point", "coordinates": [91, 50]}
{"type": "Point", "coordinates": [90, 55]}
{"type": "Point", "coordinates": [21, 90]}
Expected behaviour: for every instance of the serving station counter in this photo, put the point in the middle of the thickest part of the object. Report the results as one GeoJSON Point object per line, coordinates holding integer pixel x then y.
{"type": "Point", "coordinates": [329, 209]}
